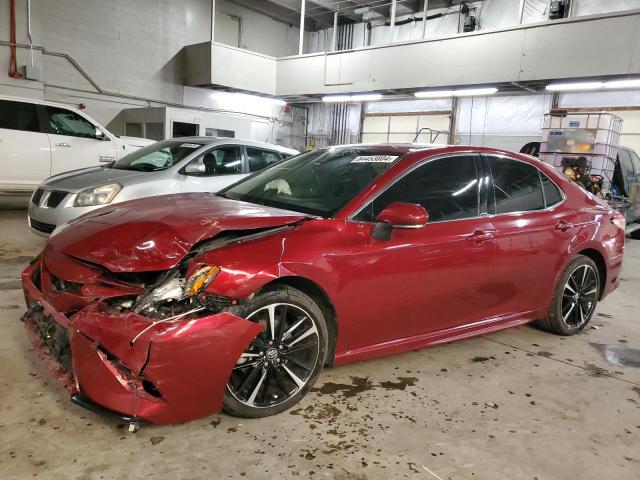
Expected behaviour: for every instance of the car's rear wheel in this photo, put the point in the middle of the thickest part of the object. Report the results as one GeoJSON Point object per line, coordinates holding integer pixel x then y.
{"type": "Point", "coordinates": [283, 362]}
{"type": "Point", "coordinates": [575, 298]}
{"type": "Point", "coordinates": [635, 234]}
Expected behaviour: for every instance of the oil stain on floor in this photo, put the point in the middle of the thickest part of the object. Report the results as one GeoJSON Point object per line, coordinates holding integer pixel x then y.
{"type": "Point", "coordinates": [619, 355]}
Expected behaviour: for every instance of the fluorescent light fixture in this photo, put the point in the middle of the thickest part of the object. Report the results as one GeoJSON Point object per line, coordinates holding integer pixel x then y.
{"type": "Point", "coordinates": [567, 87]}
{"type": "Point", "coordinates": [475, 92]}
{"type": "Point", "coordinates": [365, 97]}
{"type": "Point", "coordinates": [358, 97]}
{"type": "Point", "coordinates": [630, 83]}
{"type": "Point", "coordinates": [434, 94]}
{"type": "Point", "coordinates": [336, 98]}
{"type": "Point", "coordinates": [278, 101]}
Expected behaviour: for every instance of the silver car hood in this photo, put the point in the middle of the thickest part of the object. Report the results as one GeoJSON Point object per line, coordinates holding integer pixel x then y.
{"type": "Point", "coordinates": [136, 142]}
{"type": "Point", "coordinates": [78, 180]}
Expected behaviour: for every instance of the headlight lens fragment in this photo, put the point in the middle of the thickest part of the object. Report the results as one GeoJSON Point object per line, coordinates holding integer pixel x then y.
{"type": "Point", "coordinates": [200, 279]}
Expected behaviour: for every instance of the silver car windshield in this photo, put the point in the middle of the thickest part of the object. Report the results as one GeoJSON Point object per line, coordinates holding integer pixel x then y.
{"type": "Point", "coordinates": [157, 156]}
{"type": "Point", "coordinates": [320, 182]}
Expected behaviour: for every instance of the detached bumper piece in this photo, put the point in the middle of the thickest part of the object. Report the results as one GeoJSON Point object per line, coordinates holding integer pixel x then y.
{"type": "Point", "coordinates": [173, 373]}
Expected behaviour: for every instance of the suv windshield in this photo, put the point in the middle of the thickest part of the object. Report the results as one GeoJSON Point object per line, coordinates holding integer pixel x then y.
{"type": "Point", "coordinates": [157, 156]}
{"type": "Point", "coordinates": [319, 182]}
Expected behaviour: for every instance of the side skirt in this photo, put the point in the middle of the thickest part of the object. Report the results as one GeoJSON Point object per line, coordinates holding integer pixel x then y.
{"type": "Point", "coordinates": [435, 338]}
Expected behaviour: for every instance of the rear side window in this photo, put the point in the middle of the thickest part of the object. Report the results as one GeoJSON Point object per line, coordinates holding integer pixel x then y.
{"type": "Point", "coordinates": [259, 159]}
{"type": "Point", "coordinates": [19, 116]}
{"type": "Point", "coordinates": [516, 186]}
{"type": "Point", "coordinates": [66, 122]}
{"type": "Point", "coordinates": [552, 195]}
{"type": "Point", "coordinates": [446, 187]}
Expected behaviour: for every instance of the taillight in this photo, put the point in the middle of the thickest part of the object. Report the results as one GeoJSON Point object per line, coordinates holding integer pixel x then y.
{"type": "Point", "coordinates": [618, 220]}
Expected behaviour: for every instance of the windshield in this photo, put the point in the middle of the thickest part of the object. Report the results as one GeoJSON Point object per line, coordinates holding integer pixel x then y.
{"type": "Point", "coordinates": [319, 182]}
{"type": "Point", "coordinates": [157, 156]}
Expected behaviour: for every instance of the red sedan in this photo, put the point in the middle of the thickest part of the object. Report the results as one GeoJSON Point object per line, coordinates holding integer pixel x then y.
{"type": "Point", "coordinates": [170, 308]}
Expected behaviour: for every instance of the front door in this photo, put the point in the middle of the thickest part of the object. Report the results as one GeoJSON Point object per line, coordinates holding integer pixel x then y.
{"type": "Point", "coordinates": [75, 141]}
{"type": "Point", "coordinates": [427, 279]}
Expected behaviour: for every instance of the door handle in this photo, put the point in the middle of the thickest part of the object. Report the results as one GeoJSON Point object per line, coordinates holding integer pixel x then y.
{"type": "Point", "coordinates": [479, 237]}
{"type": "Point", "coordinates": [564, 226]}
{"type": "Point", "coordinates": [66, 145]}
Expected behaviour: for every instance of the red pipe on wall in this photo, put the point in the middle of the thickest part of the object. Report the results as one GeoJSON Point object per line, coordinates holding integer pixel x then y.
{"type": "Point", "coordinates": [13, 64]}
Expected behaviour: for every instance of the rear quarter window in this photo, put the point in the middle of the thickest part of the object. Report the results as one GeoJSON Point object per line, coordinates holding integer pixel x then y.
{"type": "Point", "coordinates": [19, 116]}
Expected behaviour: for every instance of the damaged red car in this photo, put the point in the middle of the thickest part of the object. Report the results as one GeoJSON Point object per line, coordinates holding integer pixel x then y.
{"type": "Point", "coordinates": [171, 308]}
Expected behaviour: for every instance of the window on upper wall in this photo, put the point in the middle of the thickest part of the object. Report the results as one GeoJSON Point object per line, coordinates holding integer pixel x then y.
{"type": "Point", "coordinates": [154, 131]}
{"type": "Point", "coordinates": [516, 186]}
{"type": "Point", "coordinates": [132, 129]}
{"type": "Point", "coordinates": [446, 187]}
{"type": "Point", "coordinates": [19, 116]}
{"type": "Point", "coordinates": [66, 122]}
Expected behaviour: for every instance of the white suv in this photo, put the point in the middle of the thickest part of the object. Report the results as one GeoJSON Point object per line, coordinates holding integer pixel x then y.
{"type": "Point", "coordinates": [39, 139]}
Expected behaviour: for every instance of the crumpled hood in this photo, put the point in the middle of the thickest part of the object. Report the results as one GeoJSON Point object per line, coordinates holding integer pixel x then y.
{"type": "Point", "coordinates": [135, 142]}
{"type": "Point", "coordinates": [156, 233]}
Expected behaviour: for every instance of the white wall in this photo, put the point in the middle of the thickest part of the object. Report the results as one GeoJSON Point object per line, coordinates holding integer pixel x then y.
{"type": "Point", "coordinates": [507, 122]}
{"type": "Point", "coordinates": [132, 49]}
{"type": "Point", "coordinates": [260, 33]}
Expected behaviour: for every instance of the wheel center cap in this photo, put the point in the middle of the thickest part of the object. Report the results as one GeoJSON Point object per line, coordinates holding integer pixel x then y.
{"type": "Point", "coordinates": [272, 354]}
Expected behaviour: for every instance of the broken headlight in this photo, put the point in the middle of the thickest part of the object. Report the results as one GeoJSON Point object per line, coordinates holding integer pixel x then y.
{"type": "Point", "coordinates": [200, 279]}
{"type": "Point", "coordinates": [177, 289]}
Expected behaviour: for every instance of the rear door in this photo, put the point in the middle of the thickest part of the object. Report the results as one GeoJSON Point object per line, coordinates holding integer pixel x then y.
{"type": "Point", "coordinates": [75, 141]}
{"type": "Point", "coordinates": [223, 165]}
{"type": "Point", "coordinates": [259, 158]}
{"type": "Point", "coordinates": [533, 228]}
{"type": "Point", "coordinates": [25, 154]}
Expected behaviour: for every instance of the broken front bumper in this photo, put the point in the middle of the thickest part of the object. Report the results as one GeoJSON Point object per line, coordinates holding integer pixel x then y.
{"type": "Point", "coordinates": [174, 372]}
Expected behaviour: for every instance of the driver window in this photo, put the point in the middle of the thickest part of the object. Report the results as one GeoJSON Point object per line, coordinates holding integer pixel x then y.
{"type": "Point", "coordinates": [221, 161]}
{"type": "Point", "coordinates": [447, 188]}
{"type": "Point", "coordinates": [66, 122]}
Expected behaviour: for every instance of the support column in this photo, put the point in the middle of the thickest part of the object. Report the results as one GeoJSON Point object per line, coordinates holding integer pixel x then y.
{"type": "Point", "coordinates": [521, 11]}
{"type": "Point", "coordinates": [393, 20]}
{"type": "Point", "coordinates": [424, 18]}
{"type": "Point", "coordinates": [335, 31]}
{"type": "Point", "coordinates": [301, 43]}
{"type": "Point", "coordinates": [213, 20]}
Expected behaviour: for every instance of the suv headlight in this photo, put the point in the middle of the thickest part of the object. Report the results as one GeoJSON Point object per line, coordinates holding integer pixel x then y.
{"type": "Point", "coordinates": [97, 195]}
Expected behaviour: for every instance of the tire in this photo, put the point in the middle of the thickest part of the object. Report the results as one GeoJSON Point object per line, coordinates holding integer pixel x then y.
{"type": "Point", "coordinates": [271, 378]}
{"type": "Point", "coordinates": [574, 299]}
{"type": "Point", "coordinates": [635, 234]}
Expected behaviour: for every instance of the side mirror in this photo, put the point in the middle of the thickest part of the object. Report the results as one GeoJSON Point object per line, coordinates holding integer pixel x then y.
{"type": "Point", "coordinates": [399, 215]}
{"type": "Point", "coordinates": [194, 167]}
{"type": "Point", "coordinates": [100, 134]}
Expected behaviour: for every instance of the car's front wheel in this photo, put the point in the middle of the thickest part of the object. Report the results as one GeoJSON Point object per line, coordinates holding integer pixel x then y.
{"type": "Point", "coordinates": [283, 362]}
{"type": "Point", "coordinates": [575, 298]}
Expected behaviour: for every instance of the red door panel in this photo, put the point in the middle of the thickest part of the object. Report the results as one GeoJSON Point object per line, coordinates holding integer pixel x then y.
{"type": "Point", "coordinates": [419, 281]}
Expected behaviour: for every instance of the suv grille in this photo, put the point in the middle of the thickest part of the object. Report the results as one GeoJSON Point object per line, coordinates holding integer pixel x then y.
{"type": "Point", "coordinates": [41, 226]}
{"type": "Point", "coordinates": [55, 197]}
{"type": "Point", "coordinates": [37, 196]}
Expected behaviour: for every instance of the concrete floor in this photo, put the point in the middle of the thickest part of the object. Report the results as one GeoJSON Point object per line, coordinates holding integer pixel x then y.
{"type": "Point", "coordinates": [518, 404]}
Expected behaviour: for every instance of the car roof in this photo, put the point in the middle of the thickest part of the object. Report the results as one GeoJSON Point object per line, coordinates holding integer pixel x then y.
{"type": "Point", "coordinates": [233, 141]}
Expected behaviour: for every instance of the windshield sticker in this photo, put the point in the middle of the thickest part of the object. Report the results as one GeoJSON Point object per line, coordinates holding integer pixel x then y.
{"type": "Point", "coordinates": [374, 159]}
{"type": "Point", "coordinates": [190, 145]}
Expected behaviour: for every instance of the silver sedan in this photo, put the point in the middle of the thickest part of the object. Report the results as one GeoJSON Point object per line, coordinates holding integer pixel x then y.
{"type": "Point", "coordinates": [190, 164]}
